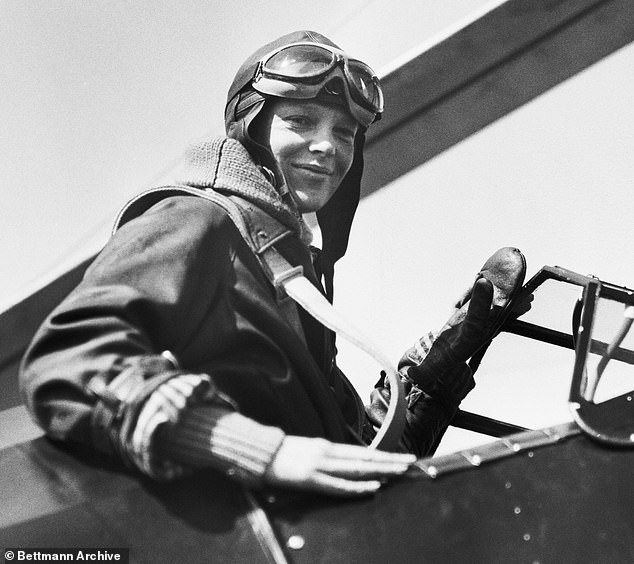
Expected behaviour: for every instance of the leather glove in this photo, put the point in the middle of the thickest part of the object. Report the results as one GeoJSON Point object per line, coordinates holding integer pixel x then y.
{"type": "Point", "coordinates": [429, 412]}
{"type": "Point", "coordinates": [461, 337]}
{"type": "Point", "coordinates": [479, 314]}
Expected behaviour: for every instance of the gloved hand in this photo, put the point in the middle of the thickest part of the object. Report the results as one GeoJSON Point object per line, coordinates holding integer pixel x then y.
{"type": "Point", "coordinates": [505, 269]}
{"type": "Point", "coordinates": [460, 338]}
{"type": "Point", "coordinates": [435, 372]}
{"type": "Point", "coordinates": [478, 316]}
{"type": "Point", "coordinates": [437, 379]}
{"type": "Point", "coordinates": [428, 412]}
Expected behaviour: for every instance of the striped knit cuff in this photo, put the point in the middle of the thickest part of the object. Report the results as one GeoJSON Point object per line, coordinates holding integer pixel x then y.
{"type": "Point", "coordinates": [164, 406]}
{"type": "Point", "coordinates": [208, 436]}
{"type": "Point", "coordinates": [417, 353]}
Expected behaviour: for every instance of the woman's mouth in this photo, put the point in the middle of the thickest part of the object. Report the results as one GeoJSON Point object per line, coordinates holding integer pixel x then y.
{"type": "Point", "coordinates": [315, 169]}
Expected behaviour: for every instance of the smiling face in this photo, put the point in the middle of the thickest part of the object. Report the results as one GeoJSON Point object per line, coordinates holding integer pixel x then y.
{"type": "Point", "coordinates": [313, 145]}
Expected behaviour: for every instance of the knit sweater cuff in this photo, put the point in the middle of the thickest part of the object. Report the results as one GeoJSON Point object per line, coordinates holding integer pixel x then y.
{"type": "Point", "coordinates": [217, 438]}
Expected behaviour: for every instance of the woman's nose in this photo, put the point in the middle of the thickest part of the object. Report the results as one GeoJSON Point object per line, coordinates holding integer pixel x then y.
{"type": "Point", "coordinates": [323, 142]}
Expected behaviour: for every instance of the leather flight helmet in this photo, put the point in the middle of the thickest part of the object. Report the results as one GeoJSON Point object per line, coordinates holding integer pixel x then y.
{"type": "Point", "coordinates": [244, 104]}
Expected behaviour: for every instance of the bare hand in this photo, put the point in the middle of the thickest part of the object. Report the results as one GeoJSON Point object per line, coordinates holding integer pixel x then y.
{"type": "Point", "coordinates": [338, 469]}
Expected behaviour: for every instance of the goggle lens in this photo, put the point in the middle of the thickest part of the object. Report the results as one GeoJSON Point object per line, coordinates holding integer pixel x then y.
{"type": "Point", "coordinates": [310, 61]}
{"type": "Point", "coordinates": [300, 61]}
{"type": "Point", "coordinates": [365, 83]}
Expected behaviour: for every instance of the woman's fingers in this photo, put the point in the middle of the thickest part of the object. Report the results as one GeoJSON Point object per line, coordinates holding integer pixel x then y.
{"type": "Point", "coordinates": [338, 469]}
{"type": "Point", "coordinates": [361, 468]}
{"type": "Point", "coordinates": [358, 462]}
{"type": "Point", "coordinates": [355, 452]}
{"type": "Point", "coordinates": [332, 485]}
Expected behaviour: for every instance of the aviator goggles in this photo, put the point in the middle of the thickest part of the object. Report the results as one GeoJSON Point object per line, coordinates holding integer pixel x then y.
{"type": "Point", "coordinates": [303, 70]}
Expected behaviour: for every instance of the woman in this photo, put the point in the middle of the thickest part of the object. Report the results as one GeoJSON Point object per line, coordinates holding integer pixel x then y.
{"type": "Point", "coordinates": [175, 352]}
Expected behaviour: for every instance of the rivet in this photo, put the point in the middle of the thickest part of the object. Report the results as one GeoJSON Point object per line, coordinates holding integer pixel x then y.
{"type": "Point", "coordinates": [517, 510]}
{"type": "Point", "coordinates": [262, 234]}
{"type": "Point", "coordinates": [432, 471]}
{"type": "Point", "coordinates": [526, 537]}
{"type": "Point", "coordinates": [507, 485]}
{"type": "Point", "coordinates": [295, 542]}
{"type": "Point", "coordinates": [231, 472]}
{"type": "Point", "coordinates": [629, 398]}
{"type": "Point", "coordinates": [271, 499]}
{"type": "Point", "coordinates": [531, 454]}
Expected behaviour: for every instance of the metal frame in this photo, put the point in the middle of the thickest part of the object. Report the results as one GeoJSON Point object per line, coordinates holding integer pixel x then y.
{"type": "Point", "coordinates": [612, 421]}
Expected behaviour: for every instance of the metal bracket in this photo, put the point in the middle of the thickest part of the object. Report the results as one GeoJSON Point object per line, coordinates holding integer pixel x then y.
{"type": "Point", "coordinates": [611, 421]}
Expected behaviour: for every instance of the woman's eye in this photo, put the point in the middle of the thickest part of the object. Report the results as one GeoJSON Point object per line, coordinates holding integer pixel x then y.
{"type": "Point", "coordinates": [346, 134]}
{"type": "Point", "coordinates": [299, 121]}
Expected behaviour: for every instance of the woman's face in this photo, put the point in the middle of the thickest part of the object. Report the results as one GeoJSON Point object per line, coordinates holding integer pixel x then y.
{"type": "Point", "coordinates": [313, 145]}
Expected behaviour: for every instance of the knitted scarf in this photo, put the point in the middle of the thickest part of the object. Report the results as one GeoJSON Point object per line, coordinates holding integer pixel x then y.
{"type": "Point", "coordinates": [226, 166]}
